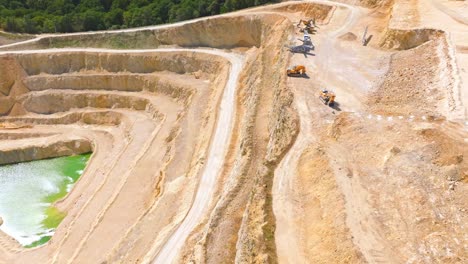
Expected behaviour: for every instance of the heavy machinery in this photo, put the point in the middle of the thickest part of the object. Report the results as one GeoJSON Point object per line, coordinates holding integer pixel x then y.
{"type": "Point", "coordinates": [307, 40]}
{"type": "Point", "coordinates": [306, 47]}
{"type": "Point", "coordinates": [296, 70]}
{"type": "Point", "coordinates": [309, 26]}
{"type": "Point", "coordinates": [327, 97]}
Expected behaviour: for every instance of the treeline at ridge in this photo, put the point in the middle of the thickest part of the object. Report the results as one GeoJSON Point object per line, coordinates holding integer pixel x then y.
{"type": "Point", "coordinates": [48, 16]}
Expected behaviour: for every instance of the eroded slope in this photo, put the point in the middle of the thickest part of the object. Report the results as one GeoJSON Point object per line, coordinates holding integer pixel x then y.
{"type": "Point", "coordinates": [380, 177]}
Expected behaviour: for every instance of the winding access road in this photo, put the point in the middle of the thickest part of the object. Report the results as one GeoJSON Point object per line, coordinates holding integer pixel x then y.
{"type": "Point", "coordinates": [218, 146]}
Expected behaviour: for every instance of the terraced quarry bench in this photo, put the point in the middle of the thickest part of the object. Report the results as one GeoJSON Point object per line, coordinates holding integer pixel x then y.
{"type": "Point", "coordinates": [204, 151]}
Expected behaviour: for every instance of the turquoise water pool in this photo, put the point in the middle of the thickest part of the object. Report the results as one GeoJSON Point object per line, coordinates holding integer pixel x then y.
{"type": "Point", "coordinates": [27, 192]}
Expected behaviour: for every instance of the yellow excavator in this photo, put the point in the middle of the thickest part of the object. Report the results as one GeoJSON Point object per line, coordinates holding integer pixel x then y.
{"type": "Point", "coordinates": [309, 26]}
{"type": "Point", "coordinates": [327, 97]}
{"type": "Point", "coordinates": [296, 70]}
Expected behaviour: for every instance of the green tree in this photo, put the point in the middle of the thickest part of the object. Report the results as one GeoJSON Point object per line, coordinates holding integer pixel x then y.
{"type": "Point", "coordinates": [92, 20]}
{"type": "Point", "coordinates": [122, 4]}
{"type": "Point", "coordinates": [15, 5]}
{"type": "Point", "coordinates": [107, 4]}
{"type": "Point", "coordinates": [15, 25]}
{"type": "Point", "coordinates": [87, 5]}
{"type": "Point", "coordinates": [65, 23]}
{"type": "Point", "coordinates": [30, 26]}
{"type": "Point", "coordinates": [35, 16]}
{"type": "Point", "coordinates": [114, 17]}
{"type": "Point", "coordinates": [48, 26]}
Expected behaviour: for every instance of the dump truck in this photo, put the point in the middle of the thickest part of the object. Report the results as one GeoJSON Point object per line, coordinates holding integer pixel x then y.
{"type": "Point", "coordinates": [327, 97]}
{"type": "Point", "coordinates": [296, 70]}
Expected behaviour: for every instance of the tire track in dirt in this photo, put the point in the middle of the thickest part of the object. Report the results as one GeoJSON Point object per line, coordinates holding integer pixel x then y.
{"type": "Point", "coordinates": [287, 235]}
{"type": "Point", "coordinates": [213, 166]}
{"type": "Point", "coordinates": [218, 146]}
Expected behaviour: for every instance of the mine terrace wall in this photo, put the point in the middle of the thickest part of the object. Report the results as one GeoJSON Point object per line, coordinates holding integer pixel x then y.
{"type": "Point", "coordinates": [36, 152]}
{"type": "Point", "coordinates": [219, 32]}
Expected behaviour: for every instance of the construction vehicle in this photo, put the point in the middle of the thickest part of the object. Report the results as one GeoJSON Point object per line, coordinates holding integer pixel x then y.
{"type": "Point", "coordinates": [305, 48]}
{"type": "Point", "coordinates": [309, 26]}
{"type": "Point", "coordinates": [307, 40]}
{"type": "Point", "coordinates": [296, 70]}
{"type": "Point", "coordinates": [327, 97]}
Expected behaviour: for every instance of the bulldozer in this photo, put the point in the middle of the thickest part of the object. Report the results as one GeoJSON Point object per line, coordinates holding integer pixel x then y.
{"type": "Point", "coordinates": [296, 70]}
{"type": "Point", "coordinates": [327, 97]}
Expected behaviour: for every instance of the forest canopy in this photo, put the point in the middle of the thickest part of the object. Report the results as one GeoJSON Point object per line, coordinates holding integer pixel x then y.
{"type": "Point", "coordinates": [48, 16]}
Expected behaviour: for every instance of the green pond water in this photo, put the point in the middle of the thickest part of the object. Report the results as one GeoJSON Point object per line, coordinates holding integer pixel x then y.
{"type": "Point", "coordinates": [27, 192]}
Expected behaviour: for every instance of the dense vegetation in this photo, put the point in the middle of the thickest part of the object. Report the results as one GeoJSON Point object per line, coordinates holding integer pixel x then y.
{"type": "Point", "coordinates": [40, 16]}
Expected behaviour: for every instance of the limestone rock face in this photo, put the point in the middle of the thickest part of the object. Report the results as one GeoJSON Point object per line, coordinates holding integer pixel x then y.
{"type": "Point", "coordinates": [197, 131]}
{"type": "Point", "coordinates": [50, 150]}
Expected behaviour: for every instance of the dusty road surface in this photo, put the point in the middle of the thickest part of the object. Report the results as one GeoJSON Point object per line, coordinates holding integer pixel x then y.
{"type": "Point", "coordinates": [204, 151]}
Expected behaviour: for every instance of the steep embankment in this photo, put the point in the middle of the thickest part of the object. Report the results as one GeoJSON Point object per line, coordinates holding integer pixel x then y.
{"type": "Point", "coordinates": [215, 155]}
{"type": "Point", "coordinates": [88, 81]}
{"type": "Point", "coordinates": [128, 123]}
{"type": "Point", "coordinates": [337, 189]}
{"type": "Point", "coordinates": [225, 32]}
{"type": "Point", "coordinates": [242, 223]}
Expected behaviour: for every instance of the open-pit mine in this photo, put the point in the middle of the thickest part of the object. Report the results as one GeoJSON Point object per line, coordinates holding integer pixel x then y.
{"type": "Point", "coordinates": [190, 143]}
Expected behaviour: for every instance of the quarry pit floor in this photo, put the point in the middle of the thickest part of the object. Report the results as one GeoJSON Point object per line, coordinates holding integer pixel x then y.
{"type": "Point", "coordinates": [204, 151]}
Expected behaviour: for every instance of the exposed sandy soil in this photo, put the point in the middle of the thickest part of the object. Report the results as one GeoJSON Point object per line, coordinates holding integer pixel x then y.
{"type": "Point", "coordinates": [8, 38]}
{"type": "Point", "coordinates": [205, 152]}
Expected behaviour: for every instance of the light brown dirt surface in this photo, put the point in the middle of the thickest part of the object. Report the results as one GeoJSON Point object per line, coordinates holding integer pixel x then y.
{"type": "Point", "coordinates": [9, 38]}
{"type": "Point", "coordinates": [204, 151]}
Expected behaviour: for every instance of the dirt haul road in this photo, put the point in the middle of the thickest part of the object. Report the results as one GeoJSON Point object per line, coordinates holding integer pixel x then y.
{"type": "Point", "coordinates": [288, 232]}
{"type": "Point", "coordinates": [217, 152]}
{"type": "Point", "coordinates": [205, 152]}
{"type": "Point", "coordinates": [213, 166]}
{"type": "Point", "coordinates": [302, 187]}
{"type": "Point", "coordinates": [221, 136]}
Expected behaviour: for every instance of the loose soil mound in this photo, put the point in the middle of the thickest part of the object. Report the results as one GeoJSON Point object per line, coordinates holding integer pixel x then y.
{"type": "Point", "coordinates": [412, 85]}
